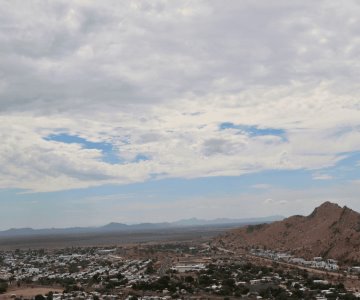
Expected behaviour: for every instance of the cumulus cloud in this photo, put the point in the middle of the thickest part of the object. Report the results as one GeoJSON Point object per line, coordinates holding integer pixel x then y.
{"type": "Point", "coordinates": [321, 176]}
{"type": "Point", "coordinates": [268, 201]}
{"type": "Point", "coordinates": [261, 186]}
{"type": "Point", "coordinates": [158, 79]}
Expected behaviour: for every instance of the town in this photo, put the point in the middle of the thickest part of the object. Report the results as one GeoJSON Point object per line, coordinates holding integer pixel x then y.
{"type": "Point", "coordinates": [317, 262]}
{"type": "Point", "coordinates": [162, 271]}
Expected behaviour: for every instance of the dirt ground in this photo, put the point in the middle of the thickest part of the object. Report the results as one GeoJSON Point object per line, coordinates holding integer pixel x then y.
{"type": "Point", "coordinates": [28, 292]}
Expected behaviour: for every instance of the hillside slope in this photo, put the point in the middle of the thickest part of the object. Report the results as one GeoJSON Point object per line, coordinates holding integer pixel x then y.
{"type": "Point", "coordinates": [329, 231]}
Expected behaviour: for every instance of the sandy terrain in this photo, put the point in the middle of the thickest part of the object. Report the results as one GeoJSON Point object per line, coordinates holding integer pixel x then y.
{"type": "Point", "coordinates": [28, 292]}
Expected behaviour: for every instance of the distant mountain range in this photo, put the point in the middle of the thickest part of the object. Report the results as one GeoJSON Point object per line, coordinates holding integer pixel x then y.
{"type": "Point", "coordinates": [329, 231]}
{"type": "Point", "coordinates": [120, 227]}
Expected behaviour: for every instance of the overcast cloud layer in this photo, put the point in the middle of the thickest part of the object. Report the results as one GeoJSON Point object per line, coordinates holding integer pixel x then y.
{"type": "Point", "coordinates": [194, 88]}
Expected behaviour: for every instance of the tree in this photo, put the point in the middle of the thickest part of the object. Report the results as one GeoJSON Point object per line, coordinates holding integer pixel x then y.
{"type": "Point", "coordinates": [50, 296]}
{"type": "Point", "coordinates": [3, 287]}
{"type": "Point", "coordinates": [150, 268]}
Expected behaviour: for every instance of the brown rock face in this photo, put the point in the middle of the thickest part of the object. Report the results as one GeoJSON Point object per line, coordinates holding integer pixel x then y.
{"type": "Point", "coordinates": [329, 231]}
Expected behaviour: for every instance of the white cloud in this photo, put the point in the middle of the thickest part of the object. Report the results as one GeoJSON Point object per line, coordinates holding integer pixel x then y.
{"type": "Point", "coordinates": [158, 79]}
{"type": "Point", "coordinates": [268, 201]}
{"type": "Point", "coordinates": [180, 144]}
{"type": "Point", "coordinates": [322, 176]}
{"type": "Point", "coordinates": [262, 186]}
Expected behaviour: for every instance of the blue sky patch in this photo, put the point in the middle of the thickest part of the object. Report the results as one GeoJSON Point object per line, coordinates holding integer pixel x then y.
{"type": "Point", "coordinates": [141, 157]}
{"type": "Point", "coordinates": [346, 169]}
{"type": "Point", "coordinates": [107, 149]}
{"type": "Point", "coordinates": [254, 130]}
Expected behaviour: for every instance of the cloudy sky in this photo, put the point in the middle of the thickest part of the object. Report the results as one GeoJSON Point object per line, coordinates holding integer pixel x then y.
{"type": "Point", "coordinates": [134, 111]}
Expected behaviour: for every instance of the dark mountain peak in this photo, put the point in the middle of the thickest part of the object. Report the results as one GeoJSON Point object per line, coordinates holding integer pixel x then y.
{"type": "Point", "coordinates": [114, 225]}
{"type": "Point", "coordinates": [326, 209]}
{"type": "Point", "coordinates": [329, 205]}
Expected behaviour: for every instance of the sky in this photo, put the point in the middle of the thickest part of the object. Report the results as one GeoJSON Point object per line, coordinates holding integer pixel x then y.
{"type": "Point", "coordinates": [147, 111]}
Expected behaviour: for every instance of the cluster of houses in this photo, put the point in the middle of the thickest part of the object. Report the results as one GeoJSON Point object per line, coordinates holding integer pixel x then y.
{"type": "Point", "coordinates": [95, 295]}
{"type": "Point", "coordinates": [82, 268]}
{"type": "Point", "coordinates": [105, 274]}
{"type": "Point", "coordinates": [316, 262]}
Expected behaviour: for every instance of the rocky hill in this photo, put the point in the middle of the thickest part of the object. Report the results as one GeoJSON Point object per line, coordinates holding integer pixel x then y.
{"type": "Point", "coordinates": [329, 231]}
